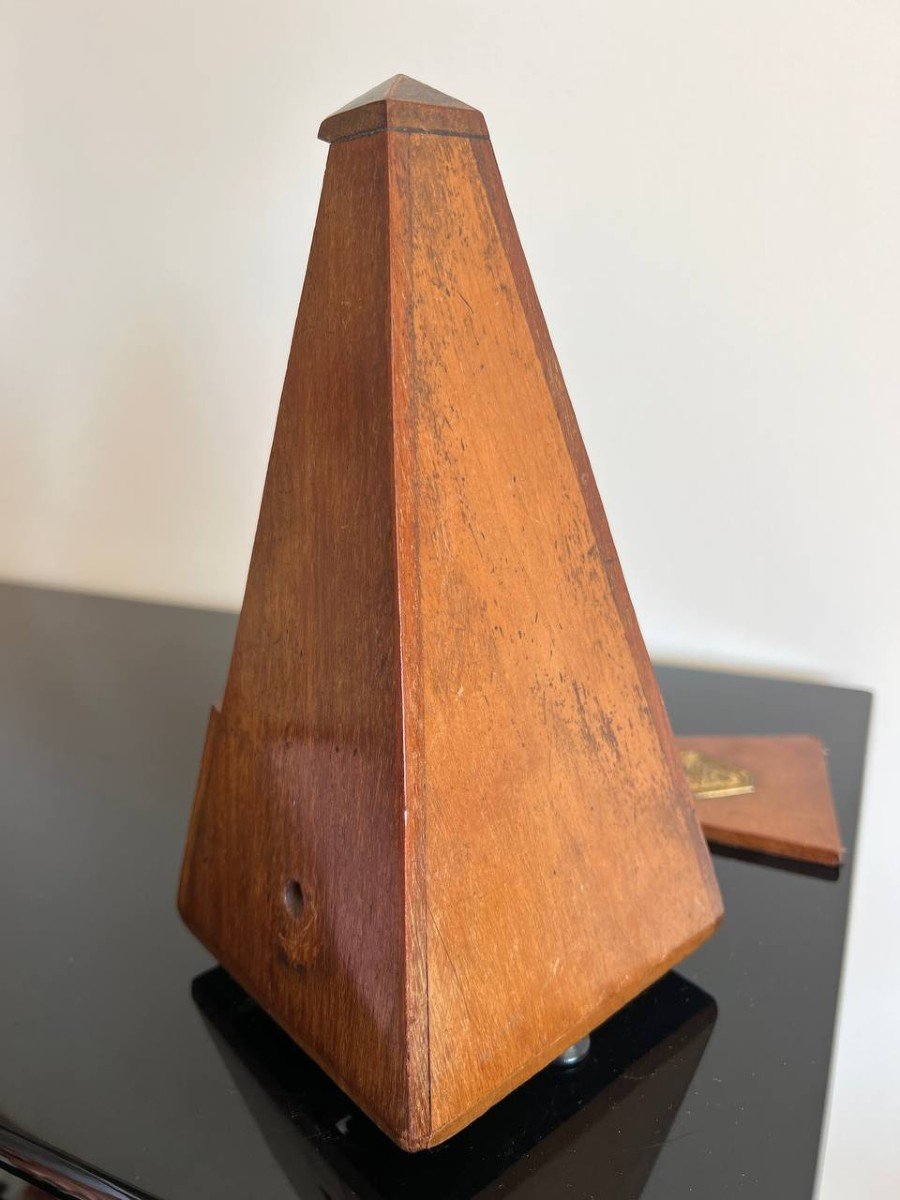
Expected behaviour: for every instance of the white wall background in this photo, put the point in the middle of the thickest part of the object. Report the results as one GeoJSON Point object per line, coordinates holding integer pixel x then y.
{"type": "Point", "coordinates": [708, 196]}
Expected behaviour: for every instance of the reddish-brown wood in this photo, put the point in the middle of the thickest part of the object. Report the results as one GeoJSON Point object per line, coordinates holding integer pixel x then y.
{"type": "Point", "coordinates": [405, 106]}
{"type": "Point", "coordinates": [441, 830]}
{"type": "Point", "coordinates": [789, 813]}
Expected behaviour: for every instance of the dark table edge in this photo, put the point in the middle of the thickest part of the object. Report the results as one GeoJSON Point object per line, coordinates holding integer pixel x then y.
{"type": "Point", "coordinates": [59, 1173]}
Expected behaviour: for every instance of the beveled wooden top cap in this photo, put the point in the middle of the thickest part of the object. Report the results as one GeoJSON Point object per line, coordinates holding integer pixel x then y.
{"type": "Point", "coordinates": [405, 106]}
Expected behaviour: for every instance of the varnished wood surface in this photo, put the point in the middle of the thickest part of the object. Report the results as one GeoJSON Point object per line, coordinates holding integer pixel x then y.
{"type": "Point", "coordinates": [407, 106]}
{"type": "Point", "coordinates": [564, 791]}
{"type": "Point", "coordinates": [304, 775]}
{"type": "Point", "coordinates": [789, 814]}
{"type": "Point", "coordinates": [440, 719]}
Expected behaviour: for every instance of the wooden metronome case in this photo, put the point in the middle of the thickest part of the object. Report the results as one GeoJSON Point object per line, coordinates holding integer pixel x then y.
{"type": "Point", "coordinates": [441, 830]}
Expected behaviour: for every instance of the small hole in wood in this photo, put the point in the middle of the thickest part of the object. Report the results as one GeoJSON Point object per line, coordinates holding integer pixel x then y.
{"type": "Point", "coordinates": [293, 897]}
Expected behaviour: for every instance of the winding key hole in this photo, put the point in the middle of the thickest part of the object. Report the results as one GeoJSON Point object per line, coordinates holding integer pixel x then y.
{"type": "Point", "coordinates": [293, 897]}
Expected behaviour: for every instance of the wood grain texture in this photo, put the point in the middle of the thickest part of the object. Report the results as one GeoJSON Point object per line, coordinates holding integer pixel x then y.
{"type": "Point", "coordinates": [304, 774]}
{"type": "Point", "coordinates": [790, 813]}
{"type": "Point", "coordinates": [440, 718]}
{"type": "Point", "coordinates": [405, 105]}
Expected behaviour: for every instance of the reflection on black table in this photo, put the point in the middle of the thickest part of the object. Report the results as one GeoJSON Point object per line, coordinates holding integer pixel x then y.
{"type": "Point", "coordinates": [598, 1125]}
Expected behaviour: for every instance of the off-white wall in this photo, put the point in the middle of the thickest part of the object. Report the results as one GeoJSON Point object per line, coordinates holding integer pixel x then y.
{"type": "Point", "coordinates": [707, 193]}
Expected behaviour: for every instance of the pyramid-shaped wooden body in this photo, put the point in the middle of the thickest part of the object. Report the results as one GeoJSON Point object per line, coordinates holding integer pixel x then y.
{"type": "Point", "coordinates": [440, 830]}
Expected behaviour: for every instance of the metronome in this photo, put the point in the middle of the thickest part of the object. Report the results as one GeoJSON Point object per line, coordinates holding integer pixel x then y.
{"type": "Point", "coordinates": [441, 829]}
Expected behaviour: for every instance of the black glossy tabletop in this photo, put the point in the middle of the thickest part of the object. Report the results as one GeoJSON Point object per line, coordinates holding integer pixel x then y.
{"type": "Point", "coordinates": [131, 1065]}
